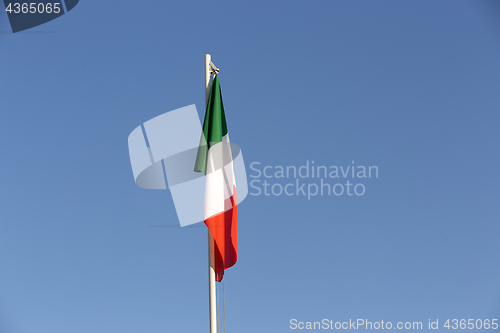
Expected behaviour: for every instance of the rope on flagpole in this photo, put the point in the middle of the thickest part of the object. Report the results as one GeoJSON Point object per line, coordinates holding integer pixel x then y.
{"type": "Point", "coordinates": [214, 71]}
{"type": "Point", "coordinates": [224, 305]}
{"type": "Point", "coordinates": [217, 295]}
{"type": "Point", "coordinates": [212, 283]}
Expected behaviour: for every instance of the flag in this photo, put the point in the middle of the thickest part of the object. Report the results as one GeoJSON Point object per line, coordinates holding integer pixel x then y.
{"type": "Point", "coordinates": [215, 160]}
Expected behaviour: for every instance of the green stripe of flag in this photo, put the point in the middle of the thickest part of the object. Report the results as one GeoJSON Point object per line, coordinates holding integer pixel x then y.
{"type": "Point", "coordinates": [214, 125]}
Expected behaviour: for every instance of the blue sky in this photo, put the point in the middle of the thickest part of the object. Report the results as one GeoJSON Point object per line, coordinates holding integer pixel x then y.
{"type": "Point", "coordinates": [411, 87]}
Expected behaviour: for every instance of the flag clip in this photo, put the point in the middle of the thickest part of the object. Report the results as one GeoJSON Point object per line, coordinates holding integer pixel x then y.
{"type": "Point", "coordinates": [214, 70]}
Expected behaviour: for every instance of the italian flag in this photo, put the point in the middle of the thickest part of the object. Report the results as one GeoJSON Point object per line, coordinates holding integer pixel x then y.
{"type": "Point", "coordinates": [215, 160]}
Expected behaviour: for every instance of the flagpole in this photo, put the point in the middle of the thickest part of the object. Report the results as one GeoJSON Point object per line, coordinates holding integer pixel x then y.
{"type": "Point", "coordinates": [211, 254]}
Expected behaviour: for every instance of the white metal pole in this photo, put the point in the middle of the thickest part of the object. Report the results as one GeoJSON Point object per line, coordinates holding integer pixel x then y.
{"type": "Point", "coordinates": [211, 254]}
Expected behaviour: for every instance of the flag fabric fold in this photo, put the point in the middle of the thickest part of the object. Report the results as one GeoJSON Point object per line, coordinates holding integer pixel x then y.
{"type": "Point", "coordinates": [215, 160]}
